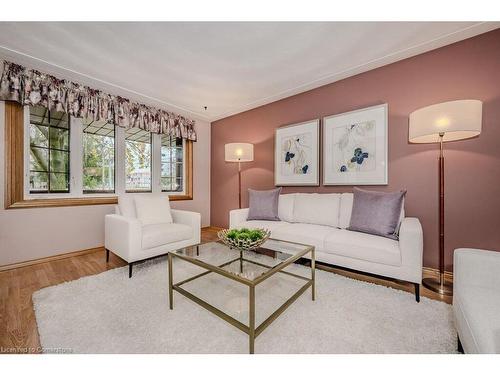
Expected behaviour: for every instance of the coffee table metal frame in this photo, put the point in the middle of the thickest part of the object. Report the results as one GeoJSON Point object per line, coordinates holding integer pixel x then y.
{"type": "Point", "coordinates": [250, 329]}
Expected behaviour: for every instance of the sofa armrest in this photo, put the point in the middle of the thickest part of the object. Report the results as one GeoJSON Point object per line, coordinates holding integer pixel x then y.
{"type": "Point", "coordinates": [411, 244]}
{"type": "Point", "coordinates": [192, 219]}
{"type": "Point", "coordinates": [475, 267]}
{"type": "Point", "coordinates": [122, 235]}
{"type": "Point", "coordinates": [237, 217]}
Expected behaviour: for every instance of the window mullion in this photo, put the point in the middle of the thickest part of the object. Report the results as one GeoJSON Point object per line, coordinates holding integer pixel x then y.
{"type": "Point", "coordinates": [156, 163]}
{"type": "Point", "coordinates": [120, 162]}
{"type": "Point", "coordinates": [76, 157]}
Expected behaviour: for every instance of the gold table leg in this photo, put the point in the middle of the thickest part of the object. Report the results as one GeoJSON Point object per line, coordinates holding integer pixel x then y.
{"type": "Point", "coordinates": [170, 282]}
{"type": "Point", "coordinates": [251, 319]}
{"type": "Point", "coordinates": [313, 269]}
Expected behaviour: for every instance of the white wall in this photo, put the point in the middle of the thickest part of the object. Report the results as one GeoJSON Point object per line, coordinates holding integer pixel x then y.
{"type": "Point", "coordinates": [33, 233]}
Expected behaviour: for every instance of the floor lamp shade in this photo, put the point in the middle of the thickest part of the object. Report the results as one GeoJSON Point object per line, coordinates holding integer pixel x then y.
{"type": "Point", "coordinates": [455, 120]}
{"type": "Point", "coordinates": [238, 152]}
{"type": "Point", "coordinates": [444, 122]}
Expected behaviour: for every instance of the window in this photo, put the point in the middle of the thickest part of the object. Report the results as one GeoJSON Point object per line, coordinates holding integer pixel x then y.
{"type": "Point", "coordinates": [138, 160]}
{"type": "Point", "coordinates": [57, 160]}
{"type": "Point", "coordinates": [98, 157]}
{"type": "Point", "coordinates": [49, 151]}
{"type": "Point", "coordinates": [172, 164]}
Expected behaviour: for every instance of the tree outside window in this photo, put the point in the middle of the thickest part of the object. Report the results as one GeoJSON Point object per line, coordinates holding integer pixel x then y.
{"type": "Point", "coordinates": [98, 157]}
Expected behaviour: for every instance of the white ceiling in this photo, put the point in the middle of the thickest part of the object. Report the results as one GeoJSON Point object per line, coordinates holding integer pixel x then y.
{"type": "Point", "coordinates": [228, 67]}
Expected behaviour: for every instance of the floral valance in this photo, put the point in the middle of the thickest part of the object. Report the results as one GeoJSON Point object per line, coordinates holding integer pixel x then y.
{"type": "Point", "coordinates": [31, 87]}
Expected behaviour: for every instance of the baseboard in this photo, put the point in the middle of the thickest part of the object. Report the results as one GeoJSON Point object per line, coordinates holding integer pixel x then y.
{"type": "Point", "coordinates": [432, 272]}
{"type": "Point", "coordinates": [8, 267]}
{"type": "Point", "coordinates": [212, 228]}
{"type": "Point", "coordinates": [426, 271]}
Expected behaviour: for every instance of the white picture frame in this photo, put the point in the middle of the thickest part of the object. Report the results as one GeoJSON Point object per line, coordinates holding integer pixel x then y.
{"type": "Point", "coordinates": [355, 147]}
{"type": "Point", "coordinates": [296, 154]}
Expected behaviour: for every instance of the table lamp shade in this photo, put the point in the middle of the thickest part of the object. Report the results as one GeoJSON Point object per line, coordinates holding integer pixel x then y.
{"type": "Point", "coordinates": [458, 119]}
{"type": "Point", "coordinates": [238, 152]}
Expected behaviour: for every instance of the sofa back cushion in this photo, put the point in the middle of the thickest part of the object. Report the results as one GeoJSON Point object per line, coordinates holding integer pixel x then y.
{"type": "Point", "coordinates": [285, 207]}
{"type": "Point", "coordinates": [322, 209]}
{"type": "Point", "coordinates": [376, 212]}
{"type": "Point", "coordinates": [346, 200]}
{"type": "Point", "coordinates": [345, 210]}
{"type": "Point", "coordinates": [126, 206]}
{"type": "Point", "coordinates": [153, 209]}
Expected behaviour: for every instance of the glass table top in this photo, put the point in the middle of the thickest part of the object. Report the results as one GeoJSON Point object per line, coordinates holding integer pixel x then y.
{"type": "Point", "coordinates": [254, 263]}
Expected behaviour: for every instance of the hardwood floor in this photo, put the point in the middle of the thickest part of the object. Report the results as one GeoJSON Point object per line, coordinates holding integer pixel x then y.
{"type": "Point", "coordinates": [18, 329]}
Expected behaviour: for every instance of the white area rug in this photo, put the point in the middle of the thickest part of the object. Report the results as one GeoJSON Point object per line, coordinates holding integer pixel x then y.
{"type": "Point", "coordinates": [110, 313]}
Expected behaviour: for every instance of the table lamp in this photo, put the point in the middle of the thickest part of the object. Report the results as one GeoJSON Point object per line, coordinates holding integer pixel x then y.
{"type": "Point", "coordinates": [439, 123]}
{"type": "Point", "coordinates": [238, 153]}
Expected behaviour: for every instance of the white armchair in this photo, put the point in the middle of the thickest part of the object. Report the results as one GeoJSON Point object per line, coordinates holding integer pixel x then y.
{"type": "Point", "coordinates": [476, 300]}
{"type": "Point", "coordinates": [128, 238]}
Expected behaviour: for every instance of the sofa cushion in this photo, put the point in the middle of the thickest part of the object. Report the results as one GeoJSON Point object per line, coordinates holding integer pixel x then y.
{"type": "Point", "coordinates": [285, 207]}
{"type": "Point", "coordinates": [307, 234]}
{"type": "Point", "coordinates": [346, 200]}
{"type": "Point", "coordinates": [126, 206]}
{"type": "Point", "coordinates": [363, 246]}
{"type": "Point", "coordinates": [345, 210]}
{"type": "Point", "coordinates": [154, 235]}
{"type": "Point", "coordinates": [321, 209]}
{"type": "Point", "coordinates": [265, 224]}
{"type": "Point", "coordinates": [263, 204]}
{"type": "Point", "coordinates": [153, 209]}
{"type": "Point", "coordinates": [480, 308]}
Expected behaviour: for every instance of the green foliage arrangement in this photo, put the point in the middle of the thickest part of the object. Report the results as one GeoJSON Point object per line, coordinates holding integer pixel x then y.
{"type": "Point", "coordinates": [245, 234]}
{"type": "Point", "coordinates": [244, 238]}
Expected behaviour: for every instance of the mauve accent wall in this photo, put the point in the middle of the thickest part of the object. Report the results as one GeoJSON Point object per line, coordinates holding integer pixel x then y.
{"type": "Point", "coordinates": [469, 69]}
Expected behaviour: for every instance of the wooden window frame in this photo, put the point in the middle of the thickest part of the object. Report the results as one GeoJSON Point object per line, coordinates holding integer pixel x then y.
{"type": "Point", "coordinates": [14, 170]}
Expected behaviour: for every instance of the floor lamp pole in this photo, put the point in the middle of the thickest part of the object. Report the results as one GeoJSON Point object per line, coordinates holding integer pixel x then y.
{"type": "Point", "coordinates": [239, 184]}
{"type": "Point", "coordinates": [440, 286]}
{"type": "Point", "coordinates": [441, 212]}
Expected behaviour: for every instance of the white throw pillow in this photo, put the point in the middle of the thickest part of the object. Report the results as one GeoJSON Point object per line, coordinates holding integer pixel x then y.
{"type": "Point", "coordinates": [285, 207]}
{"type": "Point", "coordinates": [153, 209]}
{"type": "Point", "coordinates": [127, 206]}
{"type": "Point", "coordinates": [322, 209]}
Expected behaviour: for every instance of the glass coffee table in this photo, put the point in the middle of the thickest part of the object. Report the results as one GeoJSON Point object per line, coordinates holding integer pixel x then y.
{"type": "Point", "coordinates": [247, 268]}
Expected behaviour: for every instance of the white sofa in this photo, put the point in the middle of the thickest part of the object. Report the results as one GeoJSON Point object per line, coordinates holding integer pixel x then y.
{"type": "Point", "coordinates": [476, 300]}
{"type": "Point", "coordinates": [127, 237]}
{"type": "Point", "coordinates": [321, 220]}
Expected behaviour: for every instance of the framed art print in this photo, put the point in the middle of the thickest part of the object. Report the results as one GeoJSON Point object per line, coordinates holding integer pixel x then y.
{"type": "Point", "coordinates": [355, 147]}
{"type": "Point", "coordinates": [296, 154]}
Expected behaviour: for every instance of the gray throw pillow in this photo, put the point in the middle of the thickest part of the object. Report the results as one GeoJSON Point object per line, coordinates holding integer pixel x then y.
{"type": "Point", "coordinates": [376, 212]}
{"type": "Point", "coordinates": [263, 204]}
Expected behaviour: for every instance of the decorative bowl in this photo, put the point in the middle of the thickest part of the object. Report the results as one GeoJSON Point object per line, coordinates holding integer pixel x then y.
{"type": "Point", "coordinates": [244, 239]}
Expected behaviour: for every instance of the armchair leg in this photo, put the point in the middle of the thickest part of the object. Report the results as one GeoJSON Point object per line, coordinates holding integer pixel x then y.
{"type": "Point", "coordinates": [130, 270]}
{"type": "Point", "coordinates": [417, 292]}
{"type": "Point", "coordinates": [107, 255]}
{"type": "Point", "coordinates": [460, 348]}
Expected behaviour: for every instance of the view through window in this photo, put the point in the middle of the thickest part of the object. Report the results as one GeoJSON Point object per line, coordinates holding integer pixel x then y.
{"type": "Point", "coordinates": [138, 160]}
{"type": "Point", "coordinates": [49, 151]}
{"type": "Point", "coordinates": [98, 157]}
{"type": "Point", "coordinates": [172, 164]}
{"type": "Point", "coordinates": [77, 158]}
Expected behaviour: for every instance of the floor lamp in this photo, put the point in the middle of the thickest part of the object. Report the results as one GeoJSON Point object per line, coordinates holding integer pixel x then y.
{"type": "Point", "coordinates": [238, 153]}
{"type": "Point", "coordinates": [439, 123]}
